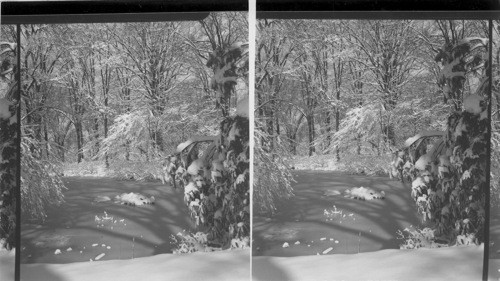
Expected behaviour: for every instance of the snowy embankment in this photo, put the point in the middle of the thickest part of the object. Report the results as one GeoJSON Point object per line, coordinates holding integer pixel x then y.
{"type": "Point", "coordinates": [454, 263]}
{"type": "Point", "coordinates": [223, 265]}
{"type": "Point", "coordinates": [7, 261]}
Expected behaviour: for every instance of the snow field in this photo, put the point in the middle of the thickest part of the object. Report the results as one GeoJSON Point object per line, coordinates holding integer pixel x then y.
{"type": "Point", "coordinates": [7, 263]}
{"type": "Point", "coordinates": [197, 266]}
{"type": "Point", "coordinates": [322, 239]}
{"type": "Point", "coordinates": [453, 263]}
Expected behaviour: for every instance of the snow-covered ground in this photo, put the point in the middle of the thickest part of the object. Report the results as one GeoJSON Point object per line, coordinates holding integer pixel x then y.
{"type": "Point", "coordinates": [454, 263]}
{"type": "Point", "coordinates": [7, 261]}
{"type": "Point", "coordinates": [223, 265]}
{"type": "Point", "coordinates": [372, 165]}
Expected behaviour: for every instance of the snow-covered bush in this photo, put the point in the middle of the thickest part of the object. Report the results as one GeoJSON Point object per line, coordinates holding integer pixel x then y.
{"type": "Point", "coordinates": [8, 171]}
{"type": "Point", "coordinates": [225, 204]}
{"type": "Point", "coordinates": [272, 177]}
{"type": "Point", "coordinates": [41, 184]}
{"type": "Point", "coordinates": [8, 146]}
{"type": "Point", "coordinates": [216, 182]}
{"type": "Point", "coordinates": [189, 243]}
{"type": "Point", "coordinates": [415, 238]}
{"type": "Point", "coordinates": [450, 188]}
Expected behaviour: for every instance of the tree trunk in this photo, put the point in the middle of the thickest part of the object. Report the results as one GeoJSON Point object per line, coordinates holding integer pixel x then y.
{"type": "Point", "coordinates": [310, 126]}
{"type": "Point", "coordinates": [328, 122]}
{"type": "Point", "coordinates": [96, 137]}
{"type": "Point", "coordinates": [106, 160]}
{"type": "Point", "coordinates": [79, 140]}
{"type": "Point", "coordinates": [46, 139]}
{"type": "Point", "coordinates": [293, 145]}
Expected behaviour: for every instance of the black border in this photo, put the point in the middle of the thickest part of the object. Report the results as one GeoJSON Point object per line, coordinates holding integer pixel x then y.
{"type": "Point", "coordinates": [54, 12]}
{"type": "Point", "coordinates": [102, 18]}
{"type": "Point", "coordinates": [33, 12]}
{"type": "Point", "coordinates": [374, 15]}
{"type": "Point", "coordinates": [377, 5]}
{"type": "Point", "coordinates": [79, 7]}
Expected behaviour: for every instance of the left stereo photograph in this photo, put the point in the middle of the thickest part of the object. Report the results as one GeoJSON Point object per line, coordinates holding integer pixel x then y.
{"type": "Point", "coordinates": [134, 149]}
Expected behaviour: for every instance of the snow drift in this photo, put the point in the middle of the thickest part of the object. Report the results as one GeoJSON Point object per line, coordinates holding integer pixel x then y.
{"type": "Point", "coordinates": [7, 262]}
{"type": "Point", "coordinates": [453, 263]}
{"type": "Point", "coordinates": [223, 265]}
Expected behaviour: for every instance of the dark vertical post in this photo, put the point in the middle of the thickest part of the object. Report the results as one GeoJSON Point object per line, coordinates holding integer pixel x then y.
{"type": "Point", "coordinates": [486, 244]}
{"type": "Point", "coordinates": [17, 269]}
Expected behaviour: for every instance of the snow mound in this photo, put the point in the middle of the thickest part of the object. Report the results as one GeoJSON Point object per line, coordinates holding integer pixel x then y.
{"type": "Point", "coordinates": [7, 262]}
{"type": "Point", "coordinates": [472, 104]}
{"type": "Point", "coordinates": [455, 263]}
{"type": "Point", "coordinates": [180, 267]}
{"type": "Point", "coordinates": [134, 199]}
{"type": "Point", "coordinates": [363, 193]}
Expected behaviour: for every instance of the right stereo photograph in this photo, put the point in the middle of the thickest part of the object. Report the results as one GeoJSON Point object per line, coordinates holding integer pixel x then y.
{"type": "Point", "coordinates": [371, 154]}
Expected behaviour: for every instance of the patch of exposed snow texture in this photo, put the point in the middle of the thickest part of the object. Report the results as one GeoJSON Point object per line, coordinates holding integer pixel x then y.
{"type": "Point", "coordinates": [331, 192]}
{"type": "Point", "coordinates": [134, 199]}
{"type": "Point", "coordinates": [4, 108]}
{"type": "Point", "coordinates": [191, 187]}
{"type": "Point", "coordinates": [364, 193]}
{"type": "Point", "coordinates": [101, 198]}
{"type": "Point", "coordinates": [448, 72]}
{"type": "Point", "coordinates": [233, 133]}
{"type": "Point", "coordinates": [220, 72]}
{"type": "Point", "coordinates": [183, 145]}
{"type": "Point", "coordinates": [472, 104]}
{"type": "Point", "coordinates": [422, 162]}
{"type": "Point", "coordinates": [444, 160]}
{"type": "Point", "coordinates": [195, 167]}
{"type": "Point", "coordinates": [243, 107]}
{"type": "Point", "coordinates": [418, 182]}
{"type": "Point", "coordinates": [455, 263]}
